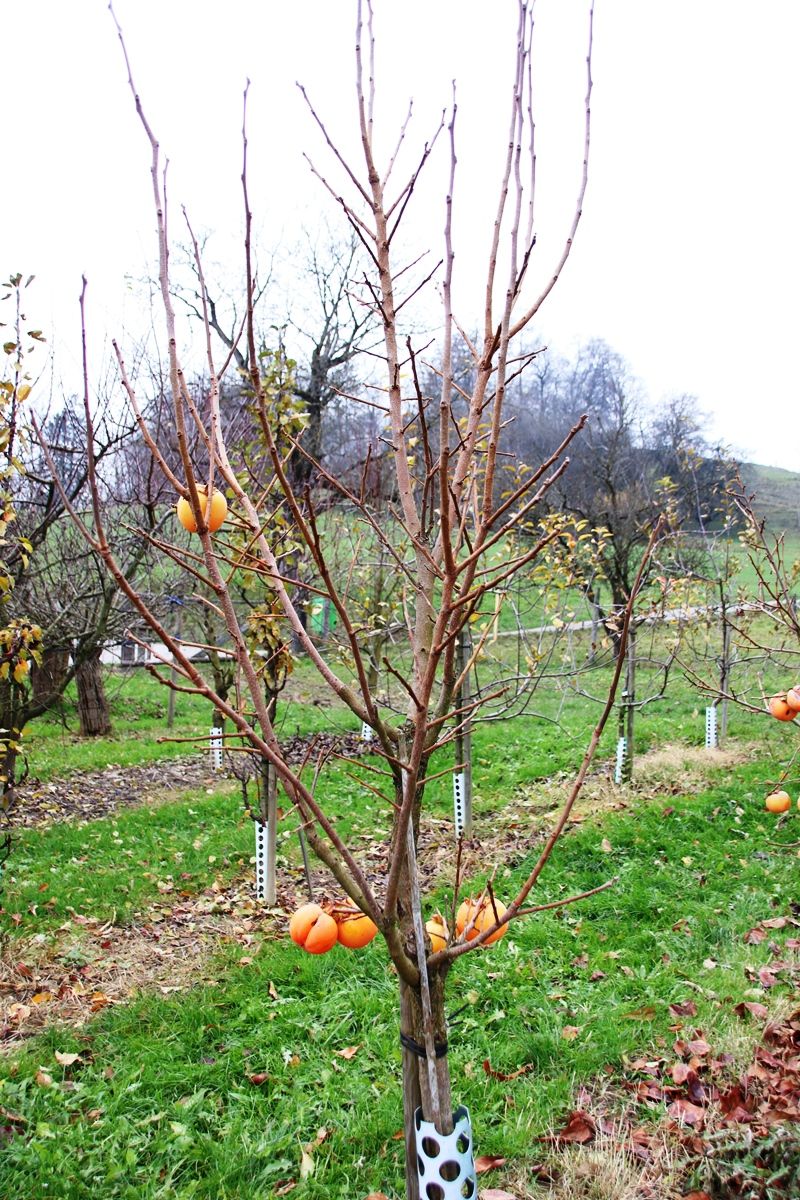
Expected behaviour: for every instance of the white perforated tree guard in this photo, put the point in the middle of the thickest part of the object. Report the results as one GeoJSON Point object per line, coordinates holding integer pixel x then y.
{"type": "Point", "coordinates": [622, 754]}
{"type": "Point", "coordinates": [366, 732]}
{"type": "Point", "coordinates": [261, 860]}
{"type": "Point", "coordinates": [711, 727]}
{"type": "Point", "coordinates": [445, 1161]}
{"type": "Point", "coordinates": [459, 802]}
{"type": "Point", "coordinates": [215, 747]}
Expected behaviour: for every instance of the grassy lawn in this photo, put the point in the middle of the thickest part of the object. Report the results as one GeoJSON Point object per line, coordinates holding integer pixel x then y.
{"type": "Point", "coordinates": [280, 1069]}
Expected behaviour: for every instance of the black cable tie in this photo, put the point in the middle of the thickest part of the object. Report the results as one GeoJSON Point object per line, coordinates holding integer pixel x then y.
{"type": "Point", "coordinates": [408, 1043]}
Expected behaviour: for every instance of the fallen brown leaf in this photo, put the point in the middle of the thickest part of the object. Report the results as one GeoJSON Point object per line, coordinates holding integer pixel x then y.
{"type": "Point", "coordinates": [646, 1013]}
{"type": "Point", "coordinates": [488, 1162]}
{"type": "Point", "coordinates": [505, 1075]}
{"type": "Point", "coordinates": [11, 1117]}
{"type": "Point", "coordinates": [686, 1113]}
{"type": "Point", "coordinates": [579, 1128]}
{"type": "Point", "coordinates": [348, 1052]}
{"type": "Point", "coordinates": [751, 1006]}
{"type": "Point", "coordinates": [66, 1060]}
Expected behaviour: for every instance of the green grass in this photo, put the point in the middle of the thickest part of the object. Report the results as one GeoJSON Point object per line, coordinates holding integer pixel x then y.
{"type": "Point", "coordinates": [161, 1104]}
{"type": "Point", "coordinates": [111, 869]}
{"type": "Point", "coordinates": [178, 1116]}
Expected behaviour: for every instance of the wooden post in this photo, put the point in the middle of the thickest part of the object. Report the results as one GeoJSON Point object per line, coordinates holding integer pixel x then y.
{"type": "Point", "coordinates": [724, 674]}
{"type": "Point", "coordinates": [462, 778]}
{"type": "Point", "coordinates": [174, 674]}
{"type": "Point", "coordinates": [268, 816]}
{"type": "Point", "coordinates": [630, 705]}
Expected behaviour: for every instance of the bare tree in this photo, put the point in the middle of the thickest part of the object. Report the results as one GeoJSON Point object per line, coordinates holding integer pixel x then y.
{"type": "Point", "coordinates": [451, 523]}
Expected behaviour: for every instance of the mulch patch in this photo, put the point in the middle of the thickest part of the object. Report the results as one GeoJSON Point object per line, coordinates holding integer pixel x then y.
{"type": "Point", "coordinates": [91, 795]}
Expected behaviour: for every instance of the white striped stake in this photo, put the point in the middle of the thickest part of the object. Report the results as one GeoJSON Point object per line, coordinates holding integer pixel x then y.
{"type": "Point", "coordinates": [711, 727]}
{"type": "Point", "coordinates": [622, 757]}
{"type": "Point", "coordinates": [215, 747]}
{"type": "Point", "coordinates": [459, 795]}
{"type": "Point", "coordinates": [261, 860]}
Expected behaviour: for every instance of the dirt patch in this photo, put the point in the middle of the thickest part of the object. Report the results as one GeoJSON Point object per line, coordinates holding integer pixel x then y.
{"type": "Point", "coordinates": [92, 965]}
{"type": "Point", "coordinates": [672, 770]}
{"type": "Point", "coordinates": [89, 796]}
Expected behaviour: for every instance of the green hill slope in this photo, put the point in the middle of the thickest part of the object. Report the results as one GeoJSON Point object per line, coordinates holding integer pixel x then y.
{"type": "Point", "coordinates": [777, 494]}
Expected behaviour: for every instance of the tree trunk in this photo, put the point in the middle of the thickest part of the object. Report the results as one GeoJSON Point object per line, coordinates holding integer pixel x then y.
{"type": "Point", "coordinates": [13, 715]}
{"type": "Point", "coordinates": [594, 601]}
{"type": "Point", "coordinates": [416, 1080]}
{"type": "Point", "coordinates": [93, 712]}
{"type": "Point", "coordinates": [47, 680]}
{"type": "Point", "coordinates": [627, 712]}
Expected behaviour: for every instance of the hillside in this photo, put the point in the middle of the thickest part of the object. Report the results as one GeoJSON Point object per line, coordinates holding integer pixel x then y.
{"type": "Point", "coordinates": [777, 493]}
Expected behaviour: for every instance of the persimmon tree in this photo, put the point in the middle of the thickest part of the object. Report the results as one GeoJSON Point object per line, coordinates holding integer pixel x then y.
{"type": "Point", "coordinates": [448, 525]}
{"type": "Point", "coordinates": [762, 623]}
{"type": "Point", "coordinates": [20, 638]}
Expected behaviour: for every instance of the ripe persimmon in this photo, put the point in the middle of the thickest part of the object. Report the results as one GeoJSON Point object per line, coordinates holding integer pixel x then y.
{"type": "Point", "coordinates": [482, 914]}
{"type": "Point", "coordinates": [780, 709]}
{"type": "Point", "coordinates": [355, 929]}
{"type": "Point", "coordinates": [313, 929]}
{"type": "Point", "coordinates": [437, 932]}
{"type": "Point", "coordinates": [214, 514]}
{"type": "Point", "coordinates": [778, 802]}
{"type": "Point", "coordinates": [793, 698]}
{"type": "Point", "coordinates": [466, 911]}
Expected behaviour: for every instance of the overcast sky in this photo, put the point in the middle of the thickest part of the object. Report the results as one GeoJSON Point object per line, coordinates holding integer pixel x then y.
{"type": "Point", "coordinates": [688, 256]}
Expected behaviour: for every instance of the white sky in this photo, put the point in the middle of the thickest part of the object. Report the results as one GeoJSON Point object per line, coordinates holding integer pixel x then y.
{"type": "Point", "coordinates": [688, 257]}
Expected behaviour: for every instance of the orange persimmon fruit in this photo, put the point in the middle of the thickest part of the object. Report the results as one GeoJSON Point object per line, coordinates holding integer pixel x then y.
{"type": "Point", "coordinates": [482, 915]}
{"type": "Point", "coordinates": [793, 698]}
{"type": "Point", "coordinates": [313, 929]}
{"type": "Point", "coordinates": [215, 514]}
{"type": "Point", "coordinates": [778, 802]}
{"type": "Point", "coordinates": [355, 929]}
{"type": "Point", "coordinates": [437, 932]}
{"type": "Point", "coordinates": [780, 709]}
